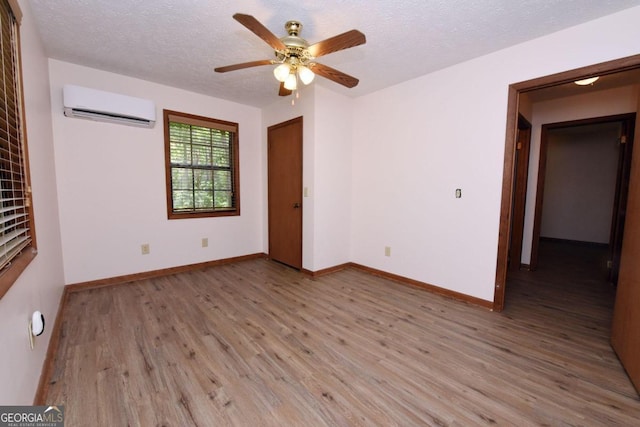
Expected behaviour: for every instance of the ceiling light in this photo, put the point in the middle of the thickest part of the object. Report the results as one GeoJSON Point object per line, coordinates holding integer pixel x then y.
{"type": "Point", "coordinates": [282, 71]}
{"type": "Point", "coordinates": [585, 82]}
{"type": "Point", "coordinates": [291, 82]}
{"type": "Point", "coordinates": [306, 75]}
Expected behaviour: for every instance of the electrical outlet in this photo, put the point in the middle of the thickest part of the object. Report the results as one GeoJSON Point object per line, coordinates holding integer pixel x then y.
{"type": "Point", "coordinates": [387, 251]}
{"type": "Point", "coordinates": [144, 248]}
{"type": "Point", "coordinates": [205, 242]}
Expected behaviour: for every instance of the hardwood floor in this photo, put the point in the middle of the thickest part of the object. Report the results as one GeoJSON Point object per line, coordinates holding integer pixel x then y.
{"type": "Point", "coordinates": [255, 343]}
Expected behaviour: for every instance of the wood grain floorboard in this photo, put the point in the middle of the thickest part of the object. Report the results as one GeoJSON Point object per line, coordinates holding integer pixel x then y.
{"type": "Point", "coordinates": [257, 344]}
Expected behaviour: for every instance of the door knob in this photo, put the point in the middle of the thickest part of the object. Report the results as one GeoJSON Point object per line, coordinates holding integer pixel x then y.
{"type": "Point", "coordinates": [296, 205]}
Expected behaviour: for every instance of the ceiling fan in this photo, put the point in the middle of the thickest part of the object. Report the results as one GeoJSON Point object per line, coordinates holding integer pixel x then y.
{"type": "Point", "coordinates": [295, 57]}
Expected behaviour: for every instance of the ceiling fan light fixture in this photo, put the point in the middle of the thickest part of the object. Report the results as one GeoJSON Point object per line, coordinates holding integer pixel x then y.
{"type": "Point", "coordinates": [295, 57]}
{"type": "Point", "coordinates": [281, 72]}
{"type": "Point", "coordinates": [586, 82]}
{"type": "Point", "coordinates": [306, 75]}
{"type": "Point", "coordinates": [291, 82]}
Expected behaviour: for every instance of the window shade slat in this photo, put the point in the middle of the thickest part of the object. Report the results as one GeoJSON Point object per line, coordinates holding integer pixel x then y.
{"type": "Point", "coordinates": [7, 255]}
{"type": "Point", "coordinates": [19, 218]}
{"type": "Point", "coordinates": [13, 239]}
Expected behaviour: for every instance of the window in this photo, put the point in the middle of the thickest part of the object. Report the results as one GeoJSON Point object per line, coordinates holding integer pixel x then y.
{"type": "Point", "coordinates": [201, 158]}
{"type": "Point", "coordinates": [17, 245]}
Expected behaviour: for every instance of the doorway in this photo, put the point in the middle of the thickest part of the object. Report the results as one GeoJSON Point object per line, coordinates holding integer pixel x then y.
{"type": "Point", "coordinates": [506, 209]}
{"type": "Point", "coordinates": [583, 182]}
{"type": "Point", "coordinates": [284, 148]}
{"type": "Point", "coordinates": [625, 328]}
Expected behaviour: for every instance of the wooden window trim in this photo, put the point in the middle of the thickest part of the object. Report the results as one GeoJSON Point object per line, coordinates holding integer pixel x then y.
{"type": "Point", "coordinates": [19, 263]}
{"type": "Point", "coordinates": [170, 115]}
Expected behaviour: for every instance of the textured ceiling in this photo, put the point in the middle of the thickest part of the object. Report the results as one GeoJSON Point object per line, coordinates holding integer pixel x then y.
{"type": "Point", "coordinates": [180, 42]}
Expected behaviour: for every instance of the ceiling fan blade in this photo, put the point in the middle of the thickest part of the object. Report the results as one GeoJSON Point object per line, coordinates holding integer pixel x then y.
{"type": "Point", "coordinates": [342, 41]}
{"type": "Point", "coordinates": [259, 30]}
{"type": "Point", "coordinates": [283, 90]}
{"type": "Point", "coordinates": [243, 65]}
{"type": "Point", "coordinates": [335, 75]}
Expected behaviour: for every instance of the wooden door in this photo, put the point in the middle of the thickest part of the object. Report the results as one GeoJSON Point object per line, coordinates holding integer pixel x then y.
{"type": "Point", "coordinates": [521, 174]}
{"type": "Point", "coordinates": [285, 192]}
{"type": "Point", "coordinates": [625, 329]}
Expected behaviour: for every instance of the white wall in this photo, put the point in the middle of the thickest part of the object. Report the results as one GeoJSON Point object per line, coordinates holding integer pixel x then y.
{"type": "Point", "coordinates": [416, 142]}
{"type": "Point", "coordinates": [332, 170]}
{"type": "Point", "coordinates": [40, 285]}
{"type": "Point", "coordinates": [580, 182]}
{"type": "Point", "coordinates": [414, 145]}
{"type": "Point", "coordinates": [111, 184]}
{"type": "Point", "coordinates": [599, 104]}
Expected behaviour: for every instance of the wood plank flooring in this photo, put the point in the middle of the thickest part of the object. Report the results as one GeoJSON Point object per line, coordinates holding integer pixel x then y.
{"type": "Point", "coordinates": [256, 343]}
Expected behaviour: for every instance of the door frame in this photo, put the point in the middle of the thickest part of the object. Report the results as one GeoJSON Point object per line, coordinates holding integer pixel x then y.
{"type": "Point", "coordinates": [521, 175]}
{"type": "Point", "coordinates": [625, 119]}
{"type": "Point", "coordinates": [506, 206]}
{"type": "Point", "coordinates": [300, 120]}
{"type": "Point", "coordinates": [623, 181]}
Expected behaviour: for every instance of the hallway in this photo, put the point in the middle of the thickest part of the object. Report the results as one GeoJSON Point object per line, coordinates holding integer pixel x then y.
{"type": "Point", "coordinates": [569, 296]}
{"type": "Point", "coordinates": [567, 272]}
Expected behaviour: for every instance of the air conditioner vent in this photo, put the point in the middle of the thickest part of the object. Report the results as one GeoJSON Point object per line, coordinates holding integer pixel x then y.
{"type": "Point", "coordinates": [85, 103]}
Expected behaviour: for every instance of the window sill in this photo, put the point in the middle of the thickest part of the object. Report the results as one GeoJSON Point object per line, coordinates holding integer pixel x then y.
{"type": "Point", "coordinates": [18, 265]}
{"type": "Point", "coordinates": [186, 215]}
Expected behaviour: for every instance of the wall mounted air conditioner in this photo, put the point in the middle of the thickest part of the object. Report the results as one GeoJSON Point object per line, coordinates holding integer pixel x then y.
{"type": "Point", "coordinates": [85, 103]}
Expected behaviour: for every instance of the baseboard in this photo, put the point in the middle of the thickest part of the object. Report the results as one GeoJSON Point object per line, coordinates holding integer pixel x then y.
{"type": "Point", "coordinates": [326, 271]}
{"type": "Point", "coordinates": [48, 364]}
{"type": "Point", "coordinates": [118, 280]}
{"type": "Point", "coordinates": [404, 280]}
{"type": "Point", "coordinates": [426, 286]}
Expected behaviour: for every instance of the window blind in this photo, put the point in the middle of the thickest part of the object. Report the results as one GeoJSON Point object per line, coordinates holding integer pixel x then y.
{"type": "Point", "coordinates": [15, 232]}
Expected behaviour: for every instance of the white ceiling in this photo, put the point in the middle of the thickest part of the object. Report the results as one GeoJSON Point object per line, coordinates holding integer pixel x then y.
{"type": "Point", "coordinates": [180, 42]}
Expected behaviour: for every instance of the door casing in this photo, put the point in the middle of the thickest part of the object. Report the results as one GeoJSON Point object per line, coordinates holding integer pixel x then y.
{"type": "Point", "coordinates": [284, 158]}
{"type": "Point", "coordinates": [521, 175]}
